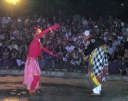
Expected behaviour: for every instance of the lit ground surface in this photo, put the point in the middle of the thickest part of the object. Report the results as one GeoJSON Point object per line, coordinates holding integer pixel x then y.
{"type": "Point", "coordinates": [58, 89]}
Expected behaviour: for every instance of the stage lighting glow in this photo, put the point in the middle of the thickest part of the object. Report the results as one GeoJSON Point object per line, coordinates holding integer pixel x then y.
{"type": "Point", "coordinates": [14, 2]}
{"type": "Point", "coordinates": [14, 99]}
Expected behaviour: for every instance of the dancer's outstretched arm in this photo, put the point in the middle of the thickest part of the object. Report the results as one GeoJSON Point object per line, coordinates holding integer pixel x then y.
{"type": "Point", "coordinates": [49, 52]}
{"type": "Point", "coordinates": [51, 28]}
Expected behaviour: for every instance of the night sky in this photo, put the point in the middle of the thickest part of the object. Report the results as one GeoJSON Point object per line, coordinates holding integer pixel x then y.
{"type": "Point", "coordinates": [84, 7]}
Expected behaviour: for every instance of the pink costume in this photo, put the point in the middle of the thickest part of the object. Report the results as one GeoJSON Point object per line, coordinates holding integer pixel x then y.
{"type": "Point", "coordinates": [32, 70]}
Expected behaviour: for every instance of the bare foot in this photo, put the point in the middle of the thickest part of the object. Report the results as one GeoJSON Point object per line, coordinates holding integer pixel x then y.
{"type": "Point", "coordinates": [31, 92]}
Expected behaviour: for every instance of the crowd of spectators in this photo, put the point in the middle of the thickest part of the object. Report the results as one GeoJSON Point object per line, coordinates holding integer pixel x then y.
{"type": "Point", "coordinates": [16, 33]}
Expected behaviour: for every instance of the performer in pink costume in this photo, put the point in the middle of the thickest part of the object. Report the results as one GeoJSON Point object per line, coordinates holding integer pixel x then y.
{"type": "Point", "coordinates": [32, 70]}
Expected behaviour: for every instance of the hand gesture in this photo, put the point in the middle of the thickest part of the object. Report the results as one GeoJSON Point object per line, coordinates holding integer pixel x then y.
{"type": "Point", "coordinates": [54, 27]}
{"type": "Point", "coordinates": [55, 55]}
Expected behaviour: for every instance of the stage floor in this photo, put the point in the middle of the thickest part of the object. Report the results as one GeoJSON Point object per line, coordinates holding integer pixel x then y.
{"type": "Point", "coordinates": [14, 91]}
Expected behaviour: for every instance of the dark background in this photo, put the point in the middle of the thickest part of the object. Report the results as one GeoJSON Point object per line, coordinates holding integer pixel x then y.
{"type": "Point", "coordinates": [53, 7]}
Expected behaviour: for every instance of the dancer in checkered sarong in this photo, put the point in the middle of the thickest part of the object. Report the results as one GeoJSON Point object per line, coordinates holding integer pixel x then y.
{"type": "Point", "coordinates": [32, 70]}
{"type": "Point", "coordinates": [98, 65]}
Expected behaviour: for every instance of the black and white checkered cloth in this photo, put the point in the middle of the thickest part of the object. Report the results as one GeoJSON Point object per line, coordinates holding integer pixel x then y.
{"type": "Point", "coordinates": [99, 59]}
